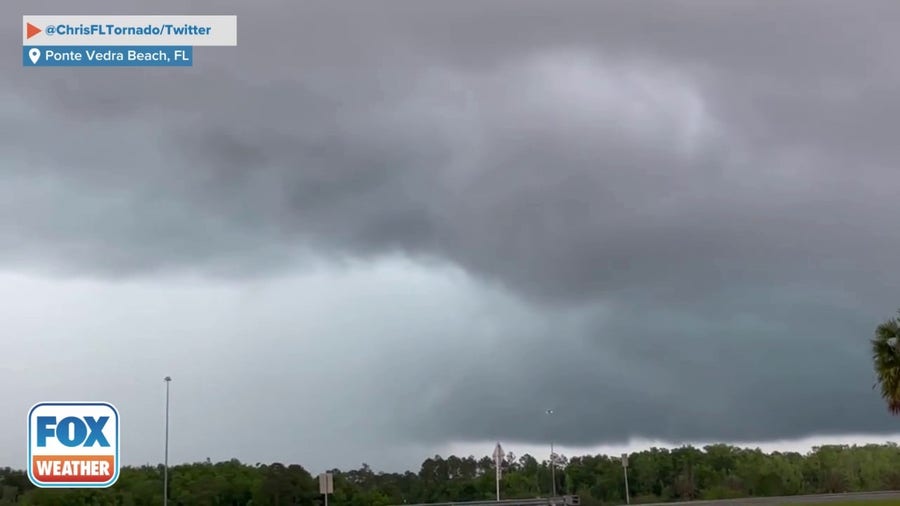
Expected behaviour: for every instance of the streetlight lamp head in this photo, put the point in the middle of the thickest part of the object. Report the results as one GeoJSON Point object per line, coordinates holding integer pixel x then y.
{"type": "Point", "coordinates": [167, 378]}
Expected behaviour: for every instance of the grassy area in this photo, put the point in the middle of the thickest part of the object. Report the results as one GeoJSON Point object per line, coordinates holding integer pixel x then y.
{"type": "Point", "coordinates": [876, 502]}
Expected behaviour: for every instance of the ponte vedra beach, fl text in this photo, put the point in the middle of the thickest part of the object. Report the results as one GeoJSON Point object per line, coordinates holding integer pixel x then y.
{"type": "Point", "coordinates": [112, 56]}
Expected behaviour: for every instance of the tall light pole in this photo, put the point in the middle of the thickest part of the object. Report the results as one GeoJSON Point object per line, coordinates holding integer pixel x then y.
{"type": "Point", "coordinates": [552, 461]}
{"type": "Point", "coordinates": [167, 379]}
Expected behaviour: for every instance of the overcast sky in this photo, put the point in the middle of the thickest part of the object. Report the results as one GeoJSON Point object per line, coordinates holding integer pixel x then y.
{"type": "Point", "coordinates": [375, 231]}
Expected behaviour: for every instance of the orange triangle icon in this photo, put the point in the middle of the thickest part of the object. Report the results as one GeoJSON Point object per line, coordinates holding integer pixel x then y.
{"type": "Point", "coordinates": [31, 30]}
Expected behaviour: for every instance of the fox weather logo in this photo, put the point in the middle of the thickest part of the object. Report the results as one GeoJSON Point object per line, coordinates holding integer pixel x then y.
{"type": "Point", "coordinates": [73, 444]}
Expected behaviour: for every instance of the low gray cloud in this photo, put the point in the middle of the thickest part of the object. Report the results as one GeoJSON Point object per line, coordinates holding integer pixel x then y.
{"type": "Point", "coordinates": [708, 186]}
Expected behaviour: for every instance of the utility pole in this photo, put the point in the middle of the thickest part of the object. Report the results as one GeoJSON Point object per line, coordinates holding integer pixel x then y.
{"type": "Point", "coordinates": [552, 461]}
{"type": "Point", "coordinates": [167, 379]}
{"type": "Point", "coordinates": [553, 468]}
{"type": "Point", "coordinates": [625, 469]}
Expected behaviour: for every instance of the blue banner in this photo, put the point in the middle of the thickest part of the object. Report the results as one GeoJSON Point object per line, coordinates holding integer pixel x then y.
{"type": "Point", "coordinates": [107, 56]}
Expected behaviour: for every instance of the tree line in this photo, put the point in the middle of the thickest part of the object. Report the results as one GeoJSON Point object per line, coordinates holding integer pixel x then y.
{"type": "Point", "coordinates": [713, 472]}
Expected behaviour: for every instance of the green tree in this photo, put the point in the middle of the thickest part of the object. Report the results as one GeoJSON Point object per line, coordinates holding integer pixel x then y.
{"type": "Point", "coordinates": [886, 358]}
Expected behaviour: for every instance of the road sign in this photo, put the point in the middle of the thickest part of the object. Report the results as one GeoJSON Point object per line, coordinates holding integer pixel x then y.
{"type": "Point", "coordinates": [498, 461]}
{"type": "Point", "coordinates": [624, 460]}
{"type": "Point", "coordinates": [498, 454]}
{"type": "Point", "coordinates": [326, 483]}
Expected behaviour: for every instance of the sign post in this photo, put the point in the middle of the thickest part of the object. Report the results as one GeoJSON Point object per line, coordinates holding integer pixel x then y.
{"type": "Point", "coordinates": [326, 485]}
{"type": "Point", "coordinates": [625, 468]}
{"type": "Point", "coordinates": [498, 460]}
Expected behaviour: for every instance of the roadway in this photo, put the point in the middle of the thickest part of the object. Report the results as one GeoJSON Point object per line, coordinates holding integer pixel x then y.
{"type": "Point", "coordinates": [796, 499]}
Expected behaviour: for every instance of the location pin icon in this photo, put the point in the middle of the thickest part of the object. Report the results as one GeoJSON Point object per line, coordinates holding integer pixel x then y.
{"type": "Point", "coordinates": [35, 54]}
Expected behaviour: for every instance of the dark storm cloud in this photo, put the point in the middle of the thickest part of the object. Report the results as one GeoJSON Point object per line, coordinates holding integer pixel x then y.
{"type": "Point", "coordinates": [713, 184]}
{"type": "Point", "coordinates": [678, 376]}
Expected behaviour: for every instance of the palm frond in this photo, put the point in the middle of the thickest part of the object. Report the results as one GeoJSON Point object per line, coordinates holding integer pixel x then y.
{"type": "Point", "coordinates": [886, 362]}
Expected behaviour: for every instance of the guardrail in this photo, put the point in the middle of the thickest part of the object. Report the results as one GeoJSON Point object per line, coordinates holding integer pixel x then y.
{"type": "Point", "coordinates": [566, 500]}
{"type": "Point", "coordinates": [790, 499]}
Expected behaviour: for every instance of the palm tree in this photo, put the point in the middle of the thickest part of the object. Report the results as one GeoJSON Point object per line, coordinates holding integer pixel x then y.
{"type": "Point", "coordinates": [886, 358]}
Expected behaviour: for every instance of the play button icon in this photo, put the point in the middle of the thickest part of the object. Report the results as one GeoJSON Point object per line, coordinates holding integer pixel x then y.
{"type": "Point", "coordinates": [31, 30]}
